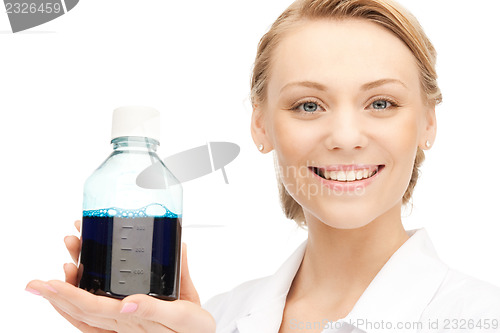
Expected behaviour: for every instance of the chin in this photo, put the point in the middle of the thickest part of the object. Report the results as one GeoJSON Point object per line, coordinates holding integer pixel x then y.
{"type": "Point", "coordinates": [346, 224]}
{"type": "Point", "coordinates": [345, 219]}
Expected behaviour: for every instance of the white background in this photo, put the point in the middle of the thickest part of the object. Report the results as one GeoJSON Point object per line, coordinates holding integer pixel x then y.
{"type": "Point", "coordinates": [192, 60]}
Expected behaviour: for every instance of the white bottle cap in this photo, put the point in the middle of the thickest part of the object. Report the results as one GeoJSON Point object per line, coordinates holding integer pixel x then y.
{"type": "Point", "coordinates": [136, 121]}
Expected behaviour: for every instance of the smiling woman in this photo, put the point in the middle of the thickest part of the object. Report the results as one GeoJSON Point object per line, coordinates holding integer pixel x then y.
{"type": "Point", "coordinates": [339, 108]}
{"type": "Point", "coordinates": [344, 93]}
{"type": "Point", "coordinates": [339, 63]}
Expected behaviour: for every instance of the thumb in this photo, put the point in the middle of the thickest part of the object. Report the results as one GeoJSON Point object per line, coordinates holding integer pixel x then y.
{"type": "Point", "coordinates": [188, 291]}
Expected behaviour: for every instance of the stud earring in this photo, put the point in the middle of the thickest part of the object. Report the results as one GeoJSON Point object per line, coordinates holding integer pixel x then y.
{"type": "Point", "coordinates": [261, 147]}
{"type": "Point", "coordinates": [427, 144]}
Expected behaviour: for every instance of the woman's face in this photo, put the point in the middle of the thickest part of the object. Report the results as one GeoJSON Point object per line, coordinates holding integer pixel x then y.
{"type": "Point", "coordinates": [343, 101]}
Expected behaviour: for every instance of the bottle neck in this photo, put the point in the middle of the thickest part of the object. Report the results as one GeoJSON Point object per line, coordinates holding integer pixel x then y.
{"type": "Point", "coordinates": [134, 143]}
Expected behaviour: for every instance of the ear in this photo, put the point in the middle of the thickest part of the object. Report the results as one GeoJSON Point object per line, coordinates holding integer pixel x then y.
{"type": "Point", "coordinates": [260, 134]}
{"type": "Point", "coordinates": [430, 128]}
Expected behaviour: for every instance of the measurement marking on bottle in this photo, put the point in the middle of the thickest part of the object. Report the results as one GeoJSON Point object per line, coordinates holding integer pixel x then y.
{"type": "Point", "coordinates": [131, 255]}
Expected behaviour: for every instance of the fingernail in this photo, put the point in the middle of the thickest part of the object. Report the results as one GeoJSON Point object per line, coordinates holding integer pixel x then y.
{"type": "Point", "coordinates": [129, 308]}
{"type": "Point", "coordinates": [49, 287]}
{"type": "Point", "coordinates": [33, 291]}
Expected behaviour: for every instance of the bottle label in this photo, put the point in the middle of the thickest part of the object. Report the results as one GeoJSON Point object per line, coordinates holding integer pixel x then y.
{"type": "Point", "coordinates": [131, 255]}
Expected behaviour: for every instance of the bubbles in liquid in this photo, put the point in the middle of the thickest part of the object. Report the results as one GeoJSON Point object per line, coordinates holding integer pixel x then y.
{"type": "Point", "coordinates": [153, 210]}
{"type": "Point", "coordinates": [156, 210]}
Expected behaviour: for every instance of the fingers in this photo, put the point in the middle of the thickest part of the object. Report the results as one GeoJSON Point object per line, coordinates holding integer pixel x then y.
{"type": "Point", "coordinates": [71, 274]}
{"type": "Point", "coordinates": [96, 311]}
{"type": "Point", "coordinates": [73, 245]}
{"type": "Point", "coordinates": [134, 324]}
{"type": "Point", "coordinates": [188, 291]}
{"type": "Point", "coordinates": [179, 316]}
{"type": "Point", "coordinates": [78, 225]}
{"type": "Point", "coordinates": [80, 321]}
{"type": "Point", "coordinates": [80, 325]}
{"type": "Point", "coordinates": [136, 313]}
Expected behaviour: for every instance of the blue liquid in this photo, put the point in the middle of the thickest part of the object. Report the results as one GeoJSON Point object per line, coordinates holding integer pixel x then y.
{"type": "Point", "coordinates": [97, 239]}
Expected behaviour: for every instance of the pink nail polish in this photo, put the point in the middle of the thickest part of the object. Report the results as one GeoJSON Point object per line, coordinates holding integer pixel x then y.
{"type": "Point", "coordinates": [33, 291]}
{"type": "Point", "coordinates": [129, 308]}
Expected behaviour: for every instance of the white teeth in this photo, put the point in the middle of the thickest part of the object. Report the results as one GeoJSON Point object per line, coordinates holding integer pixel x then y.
{"type": "Point", "coordinates": [350, 175]}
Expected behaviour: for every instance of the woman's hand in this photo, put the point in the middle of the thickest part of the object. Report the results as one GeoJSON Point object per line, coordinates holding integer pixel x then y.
{"type": "Point", "coordinates": [136, 313]}
{"type": "Point", "coordinates": [73, 245]}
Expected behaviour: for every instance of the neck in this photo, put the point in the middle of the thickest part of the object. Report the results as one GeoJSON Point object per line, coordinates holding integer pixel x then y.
{"type": "Point", "coordinates": [137, 143]}
{"type": "Point", "coordinates": [343, 262]}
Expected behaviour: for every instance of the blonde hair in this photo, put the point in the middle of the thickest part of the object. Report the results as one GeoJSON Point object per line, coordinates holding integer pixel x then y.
{"type": "Point", "coordinates": [386, 13]}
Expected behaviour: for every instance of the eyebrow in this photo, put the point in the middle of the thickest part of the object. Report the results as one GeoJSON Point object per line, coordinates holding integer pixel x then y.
{"type": "Point", "coordinates": [308, 84]}
{"type": "Point", "coordinates": [319, 86]}
{"type": "Point", "coordinates": [374, 84]}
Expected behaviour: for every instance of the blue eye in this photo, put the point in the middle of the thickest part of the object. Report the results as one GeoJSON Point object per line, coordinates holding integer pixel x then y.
{"type": "Point", "coordinates": [307, 107]}
{"type": "Point", "coordinates": [381, 104]}
{"type": "Point", "coordinates": [310, 106]}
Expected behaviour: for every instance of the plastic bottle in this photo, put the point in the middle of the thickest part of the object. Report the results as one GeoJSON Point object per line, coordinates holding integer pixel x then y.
{"type": "Point", "coordinates": [131, 236]}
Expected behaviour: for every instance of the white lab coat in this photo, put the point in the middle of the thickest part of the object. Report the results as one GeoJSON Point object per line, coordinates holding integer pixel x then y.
{"type": "Point", "coordinates": [413, 292]}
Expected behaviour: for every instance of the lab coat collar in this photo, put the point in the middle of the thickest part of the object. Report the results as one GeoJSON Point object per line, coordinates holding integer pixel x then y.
{"type": "Point", "coordinates": [271, 297]}
{"type": "Point", "coordinates": [398, 293]}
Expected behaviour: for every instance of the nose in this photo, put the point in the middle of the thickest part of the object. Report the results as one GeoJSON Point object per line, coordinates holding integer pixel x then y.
{"type": "Point", "coordinates": [345, 130]}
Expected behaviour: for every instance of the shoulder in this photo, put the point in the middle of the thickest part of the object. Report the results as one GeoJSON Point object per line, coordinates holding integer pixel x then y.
{"type": "Point", "coordinates": [263, 297]}
{"type": "Point", "coordinates": [462, 296]}
{"type": "Point", "coordinates": [233, 304]}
